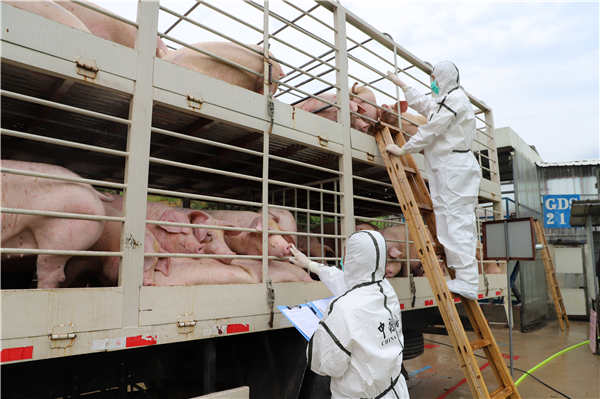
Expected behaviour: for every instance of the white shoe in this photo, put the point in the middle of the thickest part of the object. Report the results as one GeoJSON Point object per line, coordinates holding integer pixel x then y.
{"type": "Point", "coordinates": [463, 288]}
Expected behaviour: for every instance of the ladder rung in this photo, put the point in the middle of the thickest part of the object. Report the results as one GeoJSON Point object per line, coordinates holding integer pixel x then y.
{"type": "Point", "coordinates": [424, 206]}
{"type": "Point", "coordinates": [408, 169]}
{"type": "Point", "coordinates": [501, 393]}
{"type": "Point", "coordinates": [480, 343]}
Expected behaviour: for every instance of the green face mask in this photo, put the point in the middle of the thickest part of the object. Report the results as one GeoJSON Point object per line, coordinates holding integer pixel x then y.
{"type": "Point", "coordinates": [435, 87]}
{"type": "Point", "coordinates": [342, 262]}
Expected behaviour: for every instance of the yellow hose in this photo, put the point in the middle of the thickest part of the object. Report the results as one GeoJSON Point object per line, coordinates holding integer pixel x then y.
{"type": "Point", "coordinates": [547, 360]}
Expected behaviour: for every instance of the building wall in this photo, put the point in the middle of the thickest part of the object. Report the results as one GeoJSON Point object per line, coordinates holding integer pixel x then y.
{"type": "Point", "coordinates": [569, 178]}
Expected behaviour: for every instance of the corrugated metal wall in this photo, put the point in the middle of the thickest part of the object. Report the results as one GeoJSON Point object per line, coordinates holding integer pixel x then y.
{"type": "Point", "coordinates": [534, 304]}
{"type": "Point", "coordinates": [569, 179]}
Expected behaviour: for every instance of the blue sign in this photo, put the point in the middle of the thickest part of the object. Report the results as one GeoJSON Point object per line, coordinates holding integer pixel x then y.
{"type": "Point", "coordinates": [557, 210]}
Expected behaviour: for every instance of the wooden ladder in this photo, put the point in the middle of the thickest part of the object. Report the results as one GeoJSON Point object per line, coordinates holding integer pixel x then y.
{"type": "Point", "coordinates": [559, 305]}
{"type": "Point", "coordinates": [416, 205]}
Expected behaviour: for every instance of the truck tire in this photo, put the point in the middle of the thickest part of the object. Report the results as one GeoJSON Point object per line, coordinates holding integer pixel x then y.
{"type": "Point", "coordinates": [413, 344]}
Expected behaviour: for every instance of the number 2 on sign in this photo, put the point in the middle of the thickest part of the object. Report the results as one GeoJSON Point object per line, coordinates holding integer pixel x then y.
{"type": "Point", "coordinates": [551, 219]}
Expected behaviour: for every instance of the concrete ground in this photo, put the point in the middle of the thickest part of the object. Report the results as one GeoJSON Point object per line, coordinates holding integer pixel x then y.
{"type": "Point", "coordinates": [436, 374]}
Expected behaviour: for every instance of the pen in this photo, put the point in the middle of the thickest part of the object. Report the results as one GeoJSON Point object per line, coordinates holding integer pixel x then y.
{"type": "Point", "coordinates": [311, 309]}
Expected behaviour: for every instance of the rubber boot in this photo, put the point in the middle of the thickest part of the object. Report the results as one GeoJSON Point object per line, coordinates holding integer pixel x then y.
{"type": "Point", "coordinates": [466, 282]}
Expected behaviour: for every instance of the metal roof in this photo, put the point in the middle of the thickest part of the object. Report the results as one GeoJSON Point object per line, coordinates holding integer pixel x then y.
{"type": "Point", "coordinates": [580, 210]}
{"type": "Point", "coordinates": [587, 162]}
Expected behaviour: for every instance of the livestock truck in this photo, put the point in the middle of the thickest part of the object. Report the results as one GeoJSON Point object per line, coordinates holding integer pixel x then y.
{"type": "Point", "coordinates": [130, 123]}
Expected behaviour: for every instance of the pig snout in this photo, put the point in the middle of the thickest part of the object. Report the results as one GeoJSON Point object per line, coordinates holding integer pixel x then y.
{"type": "Point", "coordinates": [281, 249]}
{"type": "Point", "coordinates": [389, 272]}
{"type": "Point", "coordinates": [359, 124]}
{"type": "Point", "coordinates": [194, 246]}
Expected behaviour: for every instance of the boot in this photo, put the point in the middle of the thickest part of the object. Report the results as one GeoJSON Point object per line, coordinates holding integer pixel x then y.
{"type": "Point", "coordinates": [465, 283]}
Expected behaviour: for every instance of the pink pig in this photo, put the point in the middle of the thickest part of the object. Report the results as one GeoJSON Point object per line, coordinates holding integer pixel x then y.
{"type": "Point", "coordinates": [108, 28]}
{"type": "Point", "coordinates": [397, 251]}
{"type": "Point", "coordinates": [318, 108]}
{"type": "Point", "coordinates": [50, 10]}
{"type": "Point", "coordinates": [279, 272]}
{"type": "Point", "coordinates": [214, 239]}
{"type": "Point", "coordinates": [250, 243]}
{"type": "Point", "coordinates": [356, 105]}
{"type": "Point", "coordinates": [41, 232]}
{"type": "Point", "coordinates": [190, 271]}
{"type": "Point", "coordinates": [210, 66]}
{"type": "Point", "coordinates": [364, 107]}
{"type": "Point", "coordinates": [106, 268]}
{"type": "Point", "coordinates": [173, 239]}
{"type": "Point", "coordinates": [390, 119]}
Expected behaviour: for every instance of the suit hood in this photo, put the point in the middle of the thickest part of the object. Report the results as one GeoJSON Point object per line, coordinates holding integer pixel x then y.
{"type": "Point", "coordinates": [365, 258]}
{"type": "Point", "coordinates": [447, 77]}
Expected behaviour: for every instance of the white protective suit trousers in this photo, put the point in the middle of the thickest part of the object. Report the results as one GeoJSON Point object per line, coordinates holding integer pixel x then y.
{"type": "Point", "coordinates": [454, 188]}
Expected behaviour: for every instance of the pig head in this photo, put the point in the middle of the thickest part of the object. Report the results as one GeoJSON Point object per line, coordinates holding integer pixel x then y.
{"type": "Point", "coordinates": [363, 97]}
{"type": "Point", "coordinates": [391, 119]}
{"type": "Point", "coordinates": [286, 222]}
{"type": "Point", "coordinates": [175, 239]}
{"type": "Point", "coordinates": [248, 243]}
{"type": "Point", "coordinates": [356, 105]}
{"type": "Point", "coordinates": [213, 239]}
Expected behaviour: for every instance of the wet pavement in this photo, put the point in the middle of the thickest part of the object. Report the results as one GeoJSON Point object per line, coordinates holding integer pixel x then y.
{"type": "Point", "coordinates": [436, 374]}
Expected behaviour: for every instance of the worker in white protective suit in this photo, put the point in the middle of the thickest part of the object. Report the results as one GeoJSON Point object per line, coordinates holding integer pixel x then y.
{"type": "Point", "coordinates": [359, 341]}
{"type": "Point", "coordinates": [452, 170]}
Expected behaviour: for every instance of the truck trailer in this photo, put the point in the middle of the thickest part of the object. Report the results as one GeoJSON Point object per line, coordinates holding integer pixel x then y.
{"type": "Point", "coordinates": [130, 123]}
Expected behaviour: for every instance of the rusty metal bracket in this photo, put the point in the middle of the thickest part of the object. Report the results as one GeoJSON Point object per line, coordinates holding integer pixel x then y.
{"type": "Point", "coordinates": [195, 101]}
{"type": "Point", "coordinates": [323, 141]}
{"type": "Point", "coordinates": [370, 156]}
{"type": "Point", "coordinates": [87, 68]}
{"type": "Point", "coordinates": [270, 299]}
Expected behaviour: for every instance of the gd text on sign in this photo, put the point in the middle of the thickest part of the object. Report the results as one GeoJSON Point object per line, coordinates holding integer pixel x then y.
{"type": "Point", "coordinates": [557, 210]}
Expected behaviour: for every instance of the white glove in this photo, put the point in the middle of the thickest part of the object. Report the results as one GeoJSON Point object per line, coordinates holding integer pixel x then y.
{"type": "Point", "coordinates": [301, 260]}
{"type": "Point", "coordinates": [394, 149]}
{"type": "Point", "coordinates": [394, 78]}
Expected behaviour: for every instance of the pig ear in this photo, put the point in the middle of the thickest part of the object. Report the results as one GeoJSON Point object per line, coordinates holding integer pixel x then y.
{"type": "Point", "coordinates": [163, 265]}
{"type": "Point", "coordinates": [200, 234]}
{"type": "Point", "coordinates": [256, 223]}
{"type": "Point", "coordinates": [230, 233]}
{"type": "Point", "coordinates": [274, 216]}
{"type": "Point", "coordinates": [198, 217]}
{"type": "Point", "coordinates": [403, 106]}
{"type": "Point", "coordinates": [175, 217]}
{"type": "Point", "coordinates": [361, 109]}
{"type": "Point", "coordinates": [394, 253]}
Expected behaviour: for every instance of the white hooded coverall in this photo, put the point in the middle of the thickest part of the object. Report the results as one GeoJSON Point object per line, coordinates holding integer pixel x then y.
{"type": "Point", "coordinates": [452, 171]}
{"type": "Point", "coordinates": [359, 341]}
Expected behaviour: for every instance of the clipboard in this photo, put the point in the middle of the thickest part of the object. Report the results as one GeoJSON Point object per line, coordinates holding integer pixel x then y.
{"type": "Point", "coordinates": [306, 316]}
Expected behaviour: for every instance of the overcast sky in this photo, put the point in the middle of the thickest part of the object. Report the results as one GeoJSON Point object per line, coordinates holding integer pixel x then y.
{"type": "Point", "coordinates": [536, 64]}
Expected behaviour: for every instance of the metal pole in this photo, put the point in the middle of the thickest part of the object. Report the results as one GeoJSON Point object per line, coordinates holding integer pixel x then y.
{"type": "Point", "coordinates": [590, 237]}
{"type": "Point", "coordinates": [509, 296]}
{"type": "Point", "coordinates": [343, 95]}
